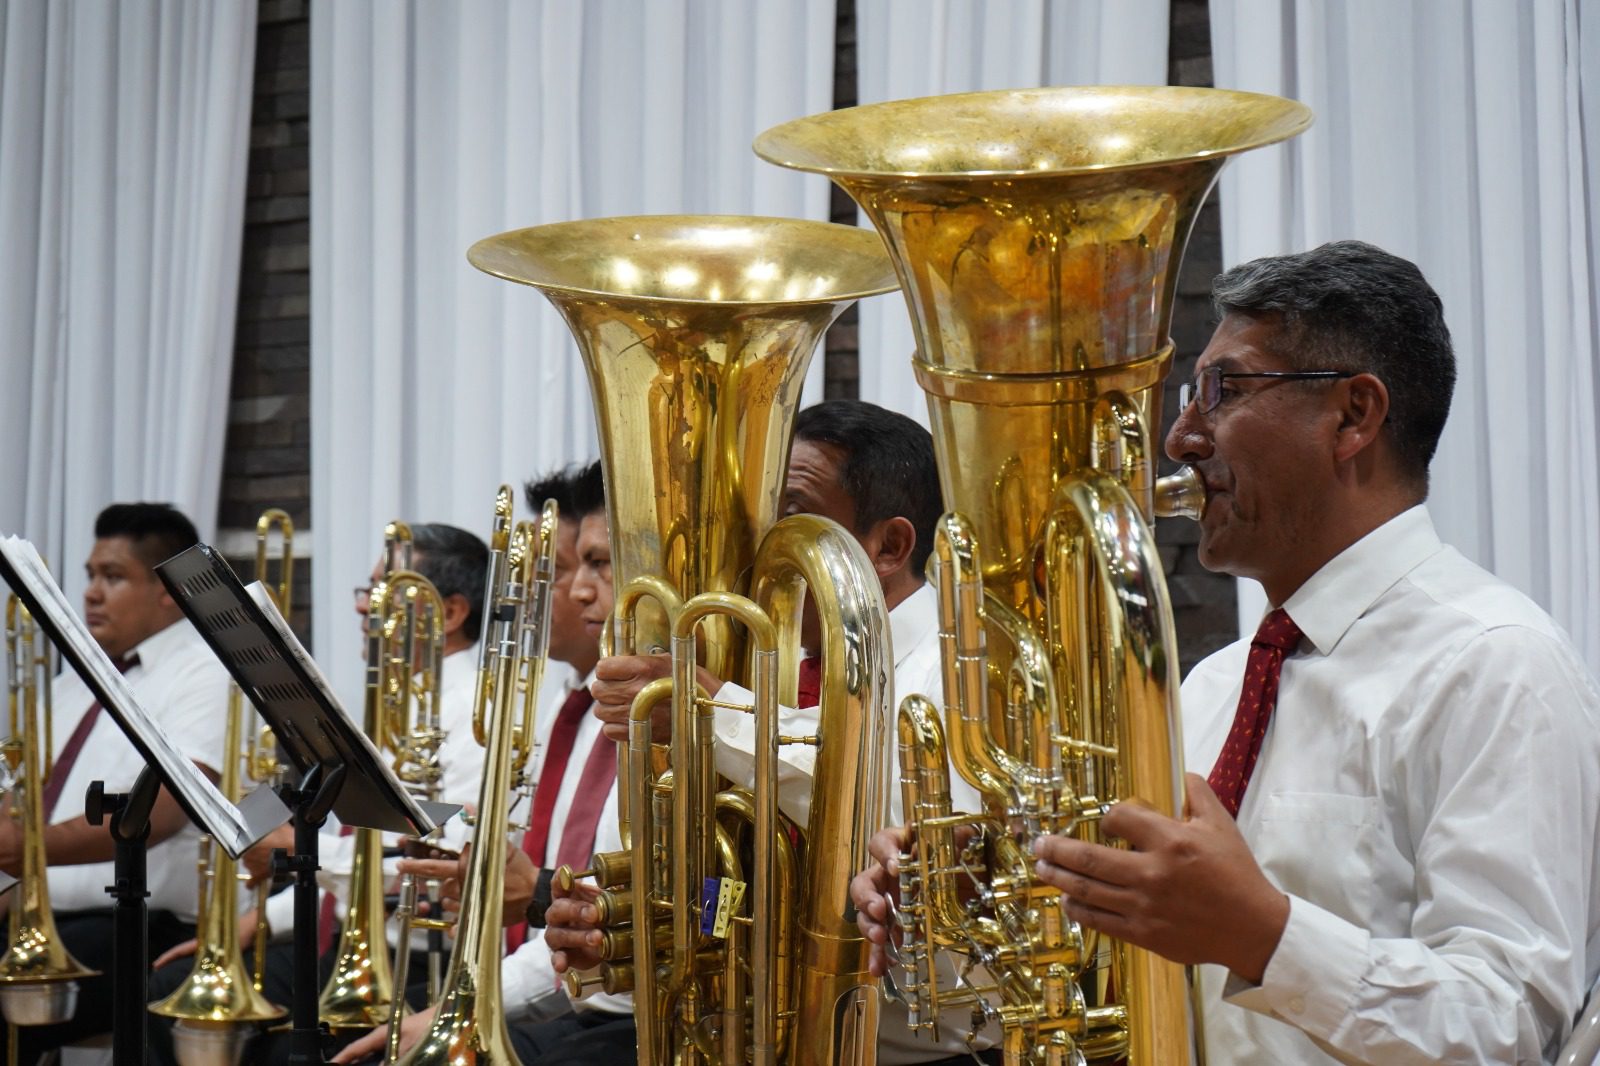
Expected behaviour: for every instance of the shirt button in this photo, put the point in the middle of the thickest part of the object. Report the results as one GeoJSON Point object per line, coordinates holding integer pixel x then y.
{"type": "Point", "coordinates": [1297, 1004]}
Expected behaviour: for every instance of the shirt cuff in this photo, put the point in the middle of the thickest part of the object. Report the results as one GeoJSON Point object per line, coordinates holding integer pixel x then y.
{"type": "Point", "coordinates": [1312, 978]}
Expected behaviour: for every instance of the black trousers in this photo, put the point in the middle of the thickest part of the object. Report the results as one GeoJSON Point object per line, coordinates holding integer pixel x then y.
{"type": "Point", "coordinates": [88, 936]}
{"type": "Point", "coordinates": [277, 984]}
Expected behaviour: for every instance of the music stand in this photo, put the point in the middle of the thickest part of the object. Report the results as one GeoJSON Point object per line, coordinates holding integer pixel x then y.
{"type": "Point", "coordinates": [337, 766]}
{"type": "Point", "coordinates": [234, 828]}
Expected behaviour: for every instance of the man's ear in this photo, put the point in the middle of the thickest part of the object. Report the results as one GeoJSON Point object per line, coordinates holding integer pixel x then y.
{"type": "Point", "coordinates": [456, 609]}
{"type": "Point", "coordinates": [890, 545]}
{"type": "Point", "coordinates": [1363, 411]}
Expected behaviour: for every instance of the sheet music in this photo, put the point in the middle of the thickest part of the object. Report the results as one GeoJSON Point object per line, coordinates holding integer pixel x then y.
{"type": "Point", "coordinates": [269, 607]}
{"type": "Point", "coordinates": [210, 810]}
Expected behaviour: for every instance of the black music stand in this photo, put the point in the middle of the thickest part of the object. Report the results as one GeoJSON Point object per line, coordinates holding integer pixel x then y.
{"type": "Point", "coordinates": [336, 767]}
{"type": "Point", "coordinates": [234, 828]}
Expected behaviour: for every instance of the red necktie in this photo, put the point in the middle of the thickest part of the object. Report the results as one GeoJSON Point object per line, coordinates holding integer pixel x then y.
{"type": "Point", "coordinates": [563, 736]}
{"type": "Point", "coordinates": [1229, 778]}
{"type": "Point", "coordinates": [810, 689]}
{"type": "Point", "coordinates": [75, 743]}
{"type": "Point", "coordinates": [328, 914]}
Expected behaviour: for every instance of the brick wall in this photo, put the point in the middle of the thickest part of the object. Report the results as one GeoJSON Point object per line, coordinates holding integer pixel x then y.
{"type": "Point", "coordinates": [268, 459]}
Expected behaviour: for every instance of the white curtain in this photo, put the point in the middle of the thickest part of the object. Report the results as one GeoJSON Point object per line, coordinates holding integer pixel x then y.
{"type": "Point", "coordinates": [437, 123]}
{"type": "Point", "coordinates": [909, 48]}
{"type": "Point", "coordinates": [124, 139]}
{"type": "Point", "coordinates": [1452, 134]}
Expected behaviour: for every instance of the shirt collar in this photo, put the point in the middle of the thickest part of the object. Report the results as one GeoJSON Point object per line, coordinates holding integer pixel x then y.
{"type": "Point", "coordinates": [164, 643]}
{"type": "Point", "coordinates": [912, 619]}
{"type": "Point", "coordinates": [1331, 600]}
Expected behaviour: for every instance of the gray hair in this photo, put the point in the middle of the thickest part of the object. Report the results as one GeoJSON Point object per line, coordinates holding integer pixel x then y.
{"type": "Point", "coordinates": [1351, 306]}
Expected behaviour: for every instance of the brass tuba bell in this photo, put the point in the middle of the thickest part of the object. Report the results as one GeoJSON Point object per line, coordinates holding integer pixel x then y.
{"type": "Point", "coordinates": [1037, 234]}
{"type": "Point", "coordinates": [696, 332]}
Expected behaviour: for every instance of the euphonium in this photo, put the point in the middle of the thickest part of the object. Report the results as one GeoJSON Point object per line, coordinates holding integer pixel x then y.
{"type": "Point", "coordinates": [469, 1022]}
{"type": "Point", "coordinates": [696, 332]}
{"type": "Point", "coordinates": [219, 1006]}
{"type": "Point", "coordinates": [1037, 235]}
{"type": "Point", "coordinates": [360, 992]}
{"type": "Point", "coordinates": [38, 976]}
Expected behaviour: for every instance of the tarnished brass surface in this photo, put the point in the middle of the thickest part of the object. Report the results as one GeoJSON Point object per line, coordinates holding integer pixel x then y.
{"type": "Point", "coordinates": [696, 333]}
{"type": "Point", "coordinates": [1037, 235]}
{"type": "Point", "coordinates": [35, 957]}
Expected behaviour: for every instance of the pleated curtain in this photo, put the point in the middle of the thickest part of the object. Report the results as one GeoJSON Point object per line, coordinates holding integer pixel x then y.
{"type": "Point", "coordinates": [1462, 136]}
{"type": "Point", "coordinates": [124, 141]}
{"type": "Point", "coordinates": [435, 124]}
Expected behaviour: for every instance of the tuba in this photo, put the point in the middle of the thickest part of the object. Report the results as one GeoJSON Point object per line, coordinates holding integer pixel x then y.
{"type": "Point", "coordinates": [38, 976]}
{"type": "Point", "coordinates": [696, 333]}
{"type": "Point", "coordinates": [470, 1021]}
{"type": "Point", "coordinates": [219, 1006]}
{"type": "Point", "coordinates": [1037, 235]}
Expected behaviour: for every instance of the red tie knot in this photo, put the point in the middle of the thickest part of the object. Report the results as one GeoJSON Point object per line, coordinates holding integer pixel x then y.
{"type": "Point", "coordinates": [126, 662]}
{"type": "Point", "coordinates": [1278, 631]}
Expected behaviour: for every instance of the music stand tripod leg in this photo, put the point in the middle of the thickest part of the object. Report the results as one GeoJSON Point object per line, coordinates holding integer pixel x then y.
{"type": "Point", "coordinates": [130, 954]}
{"type": "Point", "coordinates": [311, 801]}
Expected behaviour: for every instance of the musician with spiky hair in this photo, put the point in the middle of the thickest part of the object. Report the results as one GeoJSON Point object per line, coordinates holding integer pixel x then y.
{"type": "Point", "coordinates": [185, 689]}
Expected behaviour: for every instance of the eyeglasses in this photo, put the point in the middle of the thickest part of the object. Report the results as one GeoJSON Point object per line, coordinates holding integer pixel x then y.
{"type": "Point", "coordinates": [1206, 388]}
{"type": "Point", "coordinates": [363, 592]}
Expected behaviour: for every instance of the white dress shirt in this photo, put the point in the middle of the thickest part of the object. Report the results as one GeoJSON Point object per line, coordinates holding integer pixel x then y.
{"type": "Point", "coordinates": [184, 687]}
{"type": "Point", "coordinates": [1427, 796]}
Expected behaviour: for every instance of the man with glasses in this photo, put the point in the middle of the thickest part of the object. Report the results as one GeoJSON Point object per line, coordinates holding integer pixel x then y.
{"type": "Point", "coordinates": [1393, 858]}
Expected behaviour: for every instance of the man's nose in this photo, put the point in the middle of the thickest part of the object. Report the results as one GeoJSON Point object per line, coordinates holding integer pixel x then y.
{"type": "Point", "coordinates": [1188, 441]}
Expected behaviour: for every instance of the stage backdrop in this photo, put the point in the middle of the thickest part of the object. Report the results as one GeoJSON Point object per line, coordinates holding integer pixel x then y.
{"type": "Point", "coordinates": [1454, 135]}
{"type": "Point", "coordinates": [124, 140]}
{"type": "Point", "coordinates": [436, 124]}
{"type": "Point", "coordinates": [908, 48]}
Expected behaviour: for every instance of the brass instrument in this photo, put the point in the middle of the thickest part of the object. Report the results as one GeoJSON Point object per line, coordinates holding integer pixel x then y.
{"type": "Point", "coordinates": [470, 1021]}
{"type": "Point", "coordinates": [360, 992]}
{"type": "Point", "coordinates": [38, 976]}
{"type": "Point", "coordinates": [1038, 234]}
{"type": "Point", "coordinates": [219, 1006]}
{"type": "Point", "coordinates": [411, 672]}
{"type": "Point", "coordinates": [696, 333]}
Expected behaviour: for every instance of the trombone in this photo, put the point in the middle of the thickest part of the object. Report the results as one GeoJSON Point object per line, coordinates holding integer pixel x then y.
{"type": "Point", "coordinates": [38, 976]}
{"type": "Point", "coordinates": [470, 1019]}
{"type": "Point", "coordinates": [220, 1005]}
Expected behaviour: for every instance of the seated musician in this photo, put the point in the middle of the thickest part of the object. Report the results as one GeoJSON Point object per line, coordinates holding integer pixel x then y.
{"type": "Point", "coordinates": [873, 472]}
{"type": "Point", "coordinates": [456, 562]}
{"type": "Point", "coordinates": [574, 811]}
{"type": "Point", "coordinates": [1394, 858]}
{"type": "Point", "coordinates": [185, 689]}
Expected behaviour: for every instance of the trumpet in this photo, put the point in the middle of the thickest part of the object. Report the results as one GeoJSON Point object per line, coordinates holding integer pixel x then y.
{"type": "Point", "coordinates": [470, 1018]}
{"type": "Point", "coordinates": [1038, 234]}
{"type": "Point", "coordinates": [38, 976]}
{"type": "Point", "coordinates": [696, 332]}
{"type": "Point", "coordinates": [220, 1006]}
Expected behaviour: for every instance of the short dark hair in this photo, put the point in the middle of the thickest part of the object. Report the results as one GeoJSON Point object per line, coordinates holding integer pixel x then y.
{"type": "Point", "coordinates": [889, 469]}
{"type": "Point", "coordinates": [157, 531]}
{"type": "Point", "coordinates": [579, 490]}
{"type": "Point", "coordinates": [1351, 306]}
{"type": "Point", "coordinates": [457, 562]}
